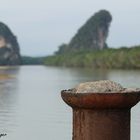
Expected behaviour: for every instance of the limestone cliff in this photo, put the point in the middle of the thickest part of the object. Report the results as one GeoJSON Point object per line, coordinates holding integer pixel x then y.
{"type": "Point", "coordinates": [9, 47]}
{"type": "Point", "coordinates": [91, 36]}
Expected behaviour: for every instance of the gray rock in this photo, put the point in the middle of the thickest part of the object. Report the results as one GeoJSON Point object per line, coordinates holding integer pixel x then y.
{"type": "Point", "coordinates": [103, 86]}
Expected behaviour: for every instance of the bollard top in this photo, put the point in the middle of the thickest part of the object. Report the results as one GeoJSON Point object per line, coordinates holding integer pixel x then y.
{"type": "Point", "coordinates": [102, 94]}
{"type": "Point", "coordinates": [102, 86]}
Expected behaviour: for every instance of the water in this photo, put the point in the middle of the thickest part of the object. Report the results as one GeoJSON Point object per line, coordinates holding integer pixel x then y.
{"type": "Point", "coordinates": [31, 107]}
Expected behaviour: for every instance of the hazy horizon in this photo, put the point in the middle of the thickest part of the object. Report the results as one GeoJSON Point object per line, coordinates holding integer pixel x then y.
{"type": "Point", "coordinates": [42, 25]}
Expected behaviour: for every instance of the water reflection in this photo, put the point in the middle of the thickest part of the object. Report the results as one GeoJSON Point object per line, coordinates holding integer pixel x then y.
{"type": "Point", "coordinates": [8, 98]}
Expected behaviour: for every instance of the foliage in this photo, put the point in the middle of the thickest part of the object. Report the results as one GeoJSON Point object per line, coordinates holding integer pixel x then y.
{"type": "Point", "coordinates": [122, 58]}
{"type": "Point", "coordinates": [9, 36]}
{"type": "Point", "coordinates": [62, 49]}
{"type": "Point", "coordinates": [9, 52]}
{"type": "Point", "coordinates": [26, 60]}
{"type": "Point", "coordinates": [5, 31]}
{"type": "Point", "coordinates": [88, 36]}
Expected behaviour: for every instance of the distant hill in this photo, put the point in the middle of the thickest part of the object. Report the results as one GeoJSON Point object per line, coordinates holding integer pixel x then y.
{"type": "Point", "coordinates": [91, 36]}
{"type": "Point", "coordinates": [9, 47]}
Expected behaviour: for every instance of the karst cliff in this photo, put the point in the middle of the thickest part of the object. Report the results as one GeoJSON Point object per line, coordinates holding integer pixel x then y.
{"type": "Point", "coordinates": [9, 47]}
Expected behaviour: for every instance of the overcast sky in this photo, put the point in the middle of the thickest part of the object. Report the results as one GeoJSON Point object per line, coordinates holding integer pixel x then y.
{"type": "Point", "coordinates": [42, 25]}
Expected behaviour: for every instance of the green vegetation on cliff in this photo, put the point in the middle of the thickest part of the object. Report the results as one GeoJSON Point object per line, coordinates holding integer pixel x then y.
{"type": "Point", "coordinates": [91, 36]}
{"type": "Point", "coordinates": [121, 58]}
{"type": "Point", "coordinates": [9, 47]}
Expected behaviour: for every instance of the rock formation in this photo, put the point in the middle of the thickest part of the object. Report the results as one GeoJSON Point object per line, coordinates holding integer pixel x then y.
{"type": "Point", "coordinates": [9, 47]}
{"type": "Point", "coordinates": [91, 36]}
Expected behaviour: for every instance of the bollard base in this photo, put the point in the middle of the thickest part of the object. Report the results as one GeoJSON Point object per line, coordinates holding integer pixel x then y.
{"type": "Point", "coordinates": [101, 124]}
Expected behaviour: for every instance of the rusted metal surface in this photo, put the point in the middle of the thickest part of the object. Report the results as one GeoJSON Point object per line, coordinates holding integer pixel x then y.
{"type": "Point", "coordinates": [101, 100]}
{"type": "Point", "coordinates": [101, 116]}
{"type": "Point", "coordinates": [101, 125]}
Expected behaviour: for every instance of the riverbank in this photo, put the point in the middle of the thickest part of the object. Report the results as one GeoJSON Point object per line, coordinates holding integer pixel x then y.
{"type": "Point", "coordinates": [122, 58]}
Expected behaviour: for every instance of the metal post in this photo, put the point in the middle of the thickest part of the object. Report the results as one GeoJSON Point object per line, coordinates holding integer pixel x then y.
{"type": "Point", "coordinates": [101, 116]}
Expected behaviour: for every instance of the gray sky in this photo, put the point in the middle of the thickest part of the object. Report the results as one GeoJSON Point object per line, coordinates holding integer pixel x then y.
{"type": "Point", "coordinates": [42, 25]}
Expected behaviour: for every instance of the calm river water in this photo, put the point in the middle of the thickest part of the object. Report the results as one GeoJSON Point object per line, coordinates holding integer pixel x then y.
{"type": "Point", "coordinates": [31, 107]}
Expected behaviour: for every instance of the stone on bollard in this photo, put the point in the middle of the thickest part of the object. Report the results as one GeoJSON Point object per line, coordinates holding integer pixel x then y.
{"type": "Point", "coordinates": [101, 110]}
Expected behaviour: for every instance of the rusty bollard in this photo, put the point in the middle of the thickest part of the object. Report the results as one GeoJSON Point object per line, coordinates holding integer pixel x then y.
{"type": "Point", "coordinates": [101, 110]}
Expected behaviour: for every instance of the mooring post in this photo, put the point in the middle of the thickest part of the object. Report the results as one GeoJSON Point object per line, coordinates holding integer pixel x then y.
{"type": "Point", "coordinates": [103, 115]}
